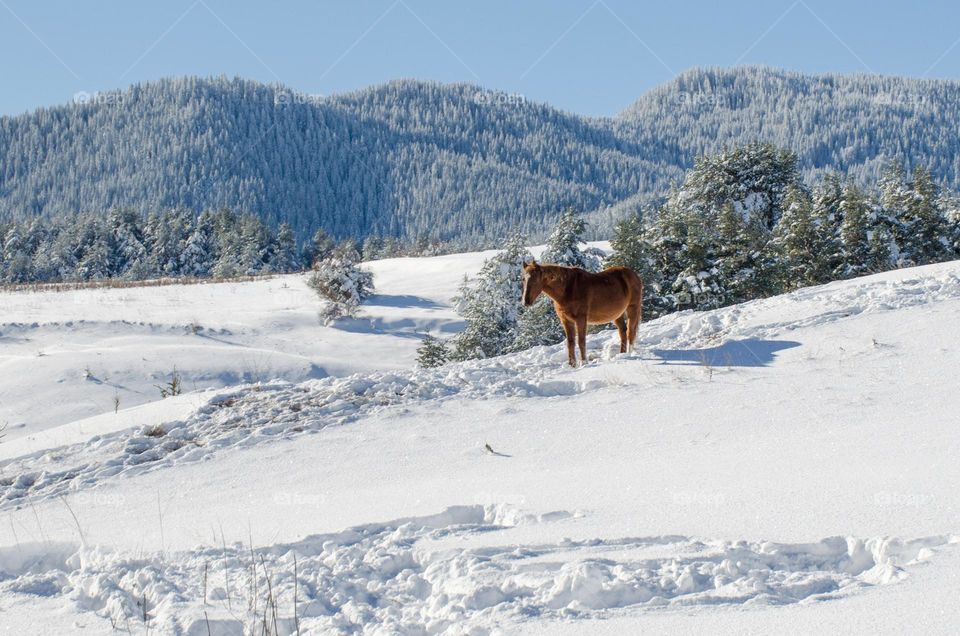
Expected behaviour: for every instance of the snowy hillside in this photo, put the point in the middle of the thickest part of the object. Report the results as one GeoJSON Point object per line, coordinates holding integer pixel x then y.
{"type": "Point", "coordinates": [67, 356]}
{"type": "Point", "coordinates": [739, 470]}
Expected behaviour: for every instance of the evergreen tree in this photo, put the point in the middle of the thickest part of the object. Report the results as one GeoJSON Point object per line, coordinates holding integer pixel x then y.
{"type": "Point", "coordinates": [255, 248]}
{"type": "Point", "coordinates": [563, 246]}
{"type": "Point", "coordinates": [229, 244]}
{"type": "Point", "coordinates": [491, 304]}
{"type": "Point", "coordinates": [200, 251]}
{"type": "Point", "coordinates": [15, 257]}
{"type": "Point", "coordinates": [432, 352]}
{"type": "Point", "coordinates": [338, 280]}
{"type": "Point", "coordinates": [285, 257]}
{"type": "Point", "coordinates": [372, 248]}
{"type": "Point", "coordinates": [747, 267]}
{"type": "Point", "coordinates": [698, 285]}
{"type": "Point", "coordinates": [132, 259]}
{"type": "Point", "coordinates": [827, 217]}
{"type": "Point", "coordinates": [798, 241]}
{"type": "Point", "coordinates": [667, 240]}
{"type": "Point", "coordinates": [864, 239]}
{"type": "Point", "coordinates": [319, 247]}
{"type": "Point", "coordinates": [923, 227]}
{"type": "Point", "coordinates": [631, 247]}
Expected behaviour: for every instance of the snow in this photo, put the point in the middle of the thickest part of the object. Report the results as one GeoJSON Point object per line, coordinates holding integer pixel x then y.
{"type": "Point", "coordinates": [737, 471]}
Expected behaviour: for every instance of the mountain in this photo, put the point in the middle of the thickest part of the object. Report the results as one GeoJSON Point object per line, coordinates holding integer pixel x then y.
{"type": "Point", "coordinates": [851, 124]}
{"type": "Point", "coordinates": [410, 158]}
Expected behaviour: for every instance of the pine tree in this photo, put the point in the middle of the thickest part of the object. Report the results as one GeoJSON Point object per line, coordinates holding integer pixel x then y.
{"type": "Point", "coordinates": [628, 246]}
{"type": "Point", "coordinates": [667, 240]}
{"type": "Point", "coordinates": [341, 283]}
{"type": "Point", "coordinates": [319, 247]}
{"type": "Point", "coordinates": [563, 246]}
{"type": "Point", "coordinates": [228, 242]}
{"type": "Point", "coordinates": [372, 248]}
{"type": "Point", "coordinates": [796, 240]}
{"type": "Point", "coordinates": [132, 259]}
{"type": "Point", "coordinates": [15, 257]}
{"type": "Point", "coordinates": [698, 284]}
{"type": "Point", "coordinates": [745, 264]}
{"type": "Point", "coordinates": [490, 304]}
{"type": "Point", "coordinates": [284, 258]}
{"type": "Point", "coordinates": [827, 217]}
{"type": "Point", "coordinates": [432, 352]}
{"type": "Point", "coordinates": [864, 239]}
{"type": "Point", "coordinates": [923, 225]}
{"type": "Point", "coordinates": [199, 251]}
{"type": "Point", "coordinates": [256, 246]}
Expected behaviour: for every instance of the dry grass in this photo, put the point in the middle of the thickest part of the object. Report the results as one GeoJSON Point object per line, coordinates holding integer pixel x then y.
{"type": "Point", "coordinates": [117, 283]}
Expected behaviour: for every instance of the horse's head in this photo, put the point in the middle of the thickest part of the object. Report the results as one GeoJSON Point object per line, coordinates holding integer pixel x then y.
{"type": "Point", "coordinates": [532, 282]}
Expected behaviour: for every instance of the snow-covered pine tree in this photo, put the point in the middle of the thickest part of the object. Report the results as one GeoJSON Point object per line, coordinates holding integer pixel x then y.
{"type": "Point", "coordinates": [318, 248]}
{"type": "Point", "coordinates": [256, 246]}
{"type": "Point", "coordinates": [563, 246]}
{"type": "Point", "coordinates": [753, 177]}
{"type": "Point", "coordinates": [827, 216]}
{"type": "Point", "coordinates": [284, 257]}
{"type": "Point", "coordinates": [199, 254]}
{"type": "Point", "coordinates": [228, 242]}
{"type": "Point", "coordinates": [15, 257]}
{"type": "Point", "coordinates": [864, 238]}
{"type": "Point", "coordinates": [132, 259]}
{"type": "Point", "coordinates": [924, 233]}
{"type": "Point", "coordinates": [950, 204]}
{"type": "Point", "coordinates": [490, 304]}
{"type": "Point", "coordinates": [372, 248]}
{"type": "Point", "coordinates": [667, 238]}
{"type": "Point", "coordinates": [796, 240]}
{"type": "Point", "coordinates": [338, 280]}
{"type": "Point", "coordinates": [747, 267]}
{"type": "Point", "coordinates": [432, 352]}
{"type": "Point", "coordinates": [96, 249]}
{"type": "Point", "coordinates": [698, 285]}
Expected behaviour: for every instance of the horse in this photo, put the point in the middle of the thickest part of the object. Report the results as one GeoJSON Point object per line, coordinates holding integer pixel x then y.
{"type": "Point", "coordinates": [581, 298]}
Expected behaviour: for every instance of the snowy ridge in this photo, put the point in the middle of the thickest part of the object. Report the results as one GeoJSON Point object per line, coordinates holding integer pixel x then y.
{"type": "Point", "coordinates": [389, 578]}
{"type": "Point", "coordinates": [254, 414]}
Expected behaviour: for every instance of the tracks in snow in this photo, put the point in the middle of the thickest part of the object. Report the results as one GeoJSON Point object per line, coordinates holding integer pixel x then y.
{"type": "Point", "coordinates": [413, 576]}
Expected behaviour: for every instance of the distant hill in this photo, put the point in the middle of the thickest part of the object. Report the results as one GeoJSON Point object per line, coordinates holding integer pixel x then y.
{"type": "Point", "coordinates": [410, 158]}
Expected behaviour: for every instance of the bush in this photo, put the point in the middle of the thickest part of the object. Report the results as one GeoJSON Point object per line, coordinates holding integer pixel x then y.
{"type": "Point", "coordinates": [338, 280]}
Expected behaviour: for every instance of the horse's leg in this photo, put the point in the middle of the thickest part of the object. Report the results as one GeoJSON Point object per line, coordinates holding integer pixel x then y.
{"type": "Point", "coordinates": [582, 337]}
{"type": "Point", "coordinates": [634, 316]}
{"type": "Point", "coordinates": [568, 329]}
{"type": "Point", "coordinates": [622, 328]}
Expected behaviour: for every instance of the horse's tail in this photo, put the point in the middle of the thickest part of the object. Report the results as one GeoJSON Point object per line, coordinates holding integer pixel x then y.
{"type": "Point", "coordinates": [639, 282]}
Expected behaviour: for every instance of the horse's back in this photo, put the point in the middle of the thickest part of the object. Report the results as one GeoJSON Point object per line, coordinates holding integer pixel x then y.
{"type": "Point", "coordinates": [610, 292]}
{"type": "Point", "coordinates": [624, 275]}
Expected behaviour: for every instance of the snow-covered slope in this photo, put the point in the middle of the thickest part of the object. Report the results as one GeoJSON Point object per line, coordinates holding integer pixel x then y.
{"type": "Point", "coordinates": [739, 469]}
{"type": "Point", "coordinates": [70, 355]}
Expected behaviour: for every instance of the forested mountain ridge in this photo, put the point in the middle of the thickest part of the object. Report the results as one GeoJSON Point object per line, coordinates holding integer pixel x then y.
{"type": "Point", "coordinates": [413, 158]}
{"type": "Point", "coordinates": [849, 124]}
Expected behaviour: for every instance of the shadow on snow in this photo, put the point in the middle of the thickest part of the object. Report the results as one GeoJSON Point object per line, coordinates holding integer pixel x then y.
{"type": "Point", "coordinates": [734, 353]}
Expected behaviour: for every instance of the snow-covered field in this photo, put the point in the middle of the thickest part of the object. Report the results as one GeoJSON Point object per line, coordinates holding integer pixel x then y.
{"type": "Point", "coordinates": [787, 465]}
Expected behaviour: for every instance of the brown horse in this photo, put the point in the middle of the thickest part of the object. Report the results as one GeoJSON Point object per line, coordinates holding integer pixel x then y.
{"type": "Point", "coordinates": [581, 298]}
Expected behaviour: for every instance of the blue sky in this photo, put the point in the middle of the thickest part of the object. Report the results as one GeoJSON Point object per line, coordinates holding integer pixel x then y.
{"type": "Point", "coordinates": [588, 56]}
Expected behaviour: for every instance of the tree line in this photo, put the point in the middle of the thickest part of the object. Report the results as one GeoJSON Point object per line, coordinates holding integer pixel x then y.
{"type": "Point", "coordinates": [124, 244]}
{"type": "Point", "coordinates": [743, 225]}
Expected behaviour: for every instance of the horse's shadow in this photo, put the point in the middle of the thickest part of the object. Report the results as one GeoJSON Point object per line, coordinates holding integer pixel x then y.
{"type": "Point", "coordinates": [733, 353]}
